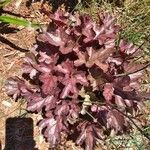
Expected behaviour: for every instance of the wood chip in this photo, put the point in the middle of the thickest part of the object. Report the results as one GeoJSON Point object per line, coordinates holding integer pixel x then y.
{"type": "Point", "coordinates": [6, 103]}
{"type": "Point", "coordinates": [17, 4]}
{"type": "Point", "coordinates": [9, 54]}
{"type": "Point", "coordinates": [11, 65]}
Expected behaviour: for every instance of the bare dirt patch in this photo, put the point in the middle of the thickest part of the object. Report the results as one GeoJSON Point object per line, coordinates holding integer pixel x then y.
{"type": "Point", "coordinates": [14, 43]}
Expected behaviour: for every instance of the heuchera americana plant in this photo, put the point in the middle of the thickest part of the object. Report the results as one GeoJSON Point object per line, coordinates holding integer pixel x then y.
{"type": "Point", "coordinates": [80, 79]}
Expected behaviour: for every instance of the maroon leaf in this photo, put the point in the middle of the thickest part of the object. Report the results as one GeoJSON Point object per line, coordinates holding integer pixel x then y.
{"type": "Point", "coordinates": [88, 134]}
{"type": "Point", "coordinates": [60, 17]}
{"type": "Point", "coordinates": [38, 103]}
{"type": "Point", "coordinates": [52, 132]}
{"type": "Point", "coordinates": [74, 112]}
{"type": "Point", "coordinates": [52, 38]}
{"type": "Point", "coordinates": [120, 102]}
{"type": "Point", "coordinates": [90, 141]}
{"type": "Point", "coordinates": [127, 48]}
{"type": "Point", "coordinates": [49, 83]}
{"type": "Point", "coordinates": [59, 38]}
{"type": "Point", "coordinates": [71, 85]}
{"type": "Point", "coordinates": [116, 121]}
{"type": "Point", "coordinates": [82, 58]}
{"type": "Point", "coordinates": [108, 92]}
{"type": "Point", "coordinates": [122, 82]}
{"type": "Point", "coordinates": [28, 69]}
{"type": "Point", "coordinates": [130, 95]}
{"type": "Point", "coordinates": [48, 59]}
{"type": "Point", "coordinates": [54, 128]}
{"type": "Point", "coordinates": [65, 68]}
{"type": "Point", "coordinates": [62, 110]}
{"type": "Point", "coordinates": [74, 63]}
{"type": "Point", "coordinates": [71, 79]}
{"type": "Point", "coordinates": [14, 86]}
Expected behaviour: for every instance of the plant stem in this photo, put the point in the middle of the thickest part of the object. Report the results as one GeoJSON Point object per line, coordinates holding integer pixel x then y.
{"type": "Point", "coordinates": [128, 73]}
{"type": "Point", "coordinates": [140, 130]}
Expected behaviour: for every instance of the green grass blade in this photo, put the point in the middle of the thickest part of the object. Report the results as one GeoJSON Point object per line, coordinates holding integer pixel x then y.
{"type": "Point", "coordinates": [4, 2]}
{"type": "Point", "coordinates": [18, 21]}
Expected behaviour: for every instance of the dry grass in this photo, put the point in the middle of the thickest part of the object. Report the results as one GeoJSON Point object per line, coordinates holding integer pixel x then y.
{"type": "Point", "coordinates": [134, 17]}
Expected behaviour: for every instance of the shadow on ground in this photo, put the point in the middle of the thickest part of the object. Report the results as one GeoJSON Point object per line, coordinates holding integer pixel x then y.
{"type": "Point", "coordinates": [19, 134]}
{"type": "Point", "coordinates": [69, 4]}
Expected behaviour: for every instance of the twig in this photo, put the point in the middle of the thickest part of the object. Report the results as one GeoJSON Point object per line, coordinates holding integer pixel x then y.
{"type": "Point", "coordinates": [99, 103]}
{"type": "Point", "coordinates": [129, 57]}
{"type": "Point", "coordinates": [95, 120]}
{"type": "Point", "coordinates": [10, 54]}
{"type": "Point", "coordinates": [138, 48]}
{"type": "Point", "coordinates": [75, 6]}
{"type": "Point", "coordinates": [140, 130]}
{"type": "Point", "coordinates": [128, 73]}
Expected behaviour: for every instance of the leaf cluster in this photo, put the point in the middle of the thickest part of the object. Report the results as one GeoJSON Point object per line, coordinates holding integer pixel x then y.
{"type": "Point", "coordinates": [80, 78]}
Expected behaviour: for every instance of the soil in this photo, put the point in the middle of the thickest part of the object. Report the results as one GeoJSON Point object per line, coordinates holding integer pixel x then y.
{"type": "Point", "coordinates": [14, 43]}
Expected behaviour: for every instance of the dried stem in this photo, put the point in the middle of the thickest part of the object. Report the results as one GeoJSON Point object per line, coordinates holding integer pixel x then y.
{"type": "Point", "coordinates": [128, 73]}
{"type": "Point", "coordinates": [95, 120]}
{"type": "Point", "coordinates": [140, 130]}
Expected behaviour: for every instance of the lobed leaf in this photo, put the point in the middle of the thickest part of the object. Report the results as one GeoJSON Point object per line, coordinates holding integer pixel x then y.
{"type": "Point", "coordinates": [79, 80]}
